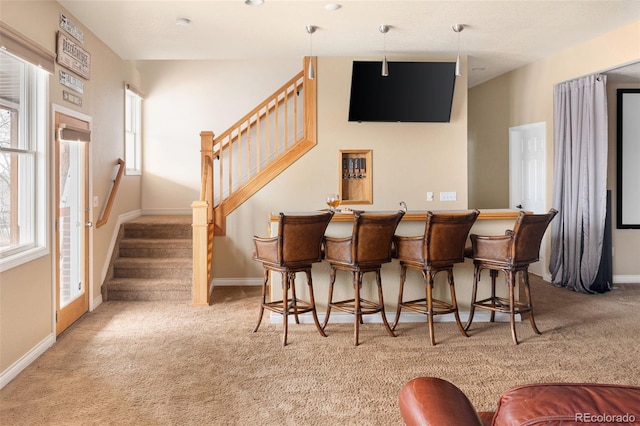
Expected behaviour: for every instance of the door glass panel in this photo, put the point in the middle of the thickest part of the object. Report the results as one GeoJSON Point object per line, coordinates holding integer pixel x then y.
{"type": "Point", "coordinates": [71, 226]}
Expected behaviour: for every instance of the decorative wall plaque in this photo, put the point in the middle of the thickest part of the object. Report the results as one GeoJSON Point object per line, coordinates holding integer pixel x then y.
{"type": "Point", "coordinates": [72, 56]}
{"type": "Point", "coordinates": [71, 81]}
{"type": "Point", "coordinates": [71, 28]}
{"type": "Point", "coordinates": [70, 97]}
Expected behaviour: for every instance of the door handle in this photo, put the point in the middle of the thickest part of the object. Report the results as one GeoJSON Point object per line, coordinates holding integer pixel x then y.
{"type": "Point", "coordinates": [88, 224]}
{"type": "Point", "coordinates": [519, 206]}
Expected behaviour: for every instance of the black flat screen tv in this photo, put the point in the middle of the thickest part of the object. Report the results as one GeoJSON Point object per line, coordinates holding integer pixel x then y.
{"type": "Point", "coordinates": [412, 92]}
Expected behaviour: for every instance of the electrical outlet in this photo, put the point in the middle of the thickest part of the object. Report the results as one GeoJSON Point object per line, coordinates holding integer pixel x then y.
{"type": "Point", "coordinates": [447, 196]}
{"type": "Point", "coordinates": [429, 196]}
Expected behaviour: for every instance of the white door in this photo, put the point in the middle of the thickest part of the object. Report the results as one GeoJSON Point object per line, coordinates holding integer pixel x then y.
{"type": "Point", "coordinates": [527, 179]}
{"type": "Point", "coordinates": [72, 219]}
{"type": "Point", "coordinates": [527, 167]}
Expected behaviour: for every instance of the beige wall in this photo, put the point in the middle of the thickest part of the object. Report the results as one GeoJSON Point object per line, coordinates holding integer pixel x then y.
{"type": "Point", "coordinates": [525, 96]}
{"type": "Point", "coordinates": [409, 159]}
{"type": "Point", "coordinates": [26, 292]}
{"type": "Point", "coordinates": [488, 132]}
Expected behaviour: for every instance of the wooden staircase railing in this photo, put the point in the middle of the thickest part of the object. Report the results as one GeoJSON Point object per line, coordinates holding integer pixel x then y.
{"type": "Point", "coordinates": [112, 194]}
{"type": "Point", "coordinates": [243, 159]}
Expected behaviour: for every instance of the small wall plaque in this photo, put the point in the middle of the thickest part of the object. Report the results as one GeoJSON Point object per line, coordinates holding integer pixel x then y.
{"type": "Point", "coordinates": [70, 97]}
{"type": "Point", "coordinates": [71, 28]}
{"type": "Point", "coordinates": [71, 81]}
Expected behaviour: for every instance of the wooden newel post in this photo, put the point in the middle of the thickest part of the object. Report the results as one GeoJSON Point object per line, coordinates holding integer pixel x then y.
{"type": "Point", "coordinates": [201, 266]}
{"type": "Point", "coordinates": [202, 226]}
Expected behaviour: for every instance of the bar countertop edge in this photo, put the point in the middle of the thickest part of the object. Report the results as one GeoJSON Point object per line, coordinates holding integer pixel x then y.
{"type": "Point", "coordinates": [418, 215]}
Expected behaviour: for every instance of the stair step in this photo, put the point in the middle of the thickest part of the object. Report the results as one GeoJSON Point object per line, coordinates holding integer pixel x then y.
{"type": "Point", "coordinates": [137, 289]}
{"type": "Point", "coordinates": [129, 267]}
{"type": "Point", "coordinates": [156, 247]}
{"type": "Point", "coordinates": [157, 230]}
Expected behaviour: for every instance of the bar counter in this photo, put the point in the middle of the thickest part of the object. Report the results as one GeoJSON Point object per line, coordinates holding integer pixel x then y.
{"type": "Point", "coordinates": [489, 222]}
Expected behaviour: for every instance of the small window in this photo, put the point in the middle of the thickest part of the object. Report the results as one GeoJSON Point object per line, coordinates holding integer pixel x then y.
{"type": "Point", "coordinates": [23, 109]}
{"type": "Point", "coordinates": [133, 132]}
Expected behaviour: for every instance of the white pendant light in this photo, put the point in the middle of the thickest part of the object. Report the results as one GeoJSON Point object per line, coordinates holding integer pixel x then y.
{"type": "Point", "coordinates": [311, 72]}
{"type": "Point", "coordinates": [458, 29]}
{"type": "Point", "coordinates": [385, 66]}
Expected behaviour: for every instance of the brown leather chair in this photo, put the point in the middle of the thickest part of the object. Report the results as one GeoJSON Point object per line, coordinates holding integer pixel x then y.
{"type": "Point", "coordinates": [433, 401]}
{"type": "Point", "coordinates": [510, 253]}
{"type": "Point", "coordinates": [441, 246]}
{"type": "Point", "coordinates": [296, 247]}
{"type": "Point", "coordinates": [368, 247]}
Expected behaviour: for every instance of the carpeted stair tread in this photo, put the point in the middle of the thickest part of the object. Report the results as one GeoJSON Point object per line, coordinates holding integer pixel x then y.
{"type": "Point", "coordinates": [156, 247]}
{"type": "Point", "coordinates": [157, 230]}
{"type": "Point", "coordinates": [146, 262]}
{"type": "Point", "coordinates": [157, 242]}
{"type": "Point", "coordinates": [120, 284]}
{"type": "Point", "coordinates": [150, 289]}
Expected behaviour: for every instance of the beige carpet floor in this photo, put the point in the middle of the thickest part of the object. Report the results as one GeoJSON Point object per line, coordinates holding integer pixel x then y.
{"type": "Point", "coordinates": [167, 363]}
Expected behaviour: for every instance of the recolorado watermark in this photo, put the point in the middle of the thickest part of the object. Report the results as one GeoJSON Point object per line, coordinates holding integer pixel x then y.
{"type": "Point", "coordinates": [604, 418]}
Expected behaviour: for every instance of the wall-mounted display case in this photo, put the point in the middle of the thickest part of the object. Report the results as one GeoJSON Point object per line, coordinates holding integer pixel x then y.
{"type": "Point", "coordinates": [356, 176]}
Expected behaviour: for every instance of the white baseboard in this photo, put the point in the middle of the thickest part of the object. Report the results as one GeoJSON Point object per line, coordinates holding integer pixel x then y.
{"type": "Point", "coordinates": [408, 317]}
{"type": "Point", "coordinates": [97, 301]}
{"type": "Point", "coordinates": [16, 368]}
{"type": "Point", "coordinates": [626, 279]}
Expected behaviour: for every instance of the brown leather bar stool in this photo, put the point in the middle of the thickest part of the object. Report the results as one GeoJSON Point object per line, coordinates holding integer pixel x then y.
{"type": "Point", "coordinates": [368, 247]}
{"type": "Point", "coordinates": [510, 253]}
{"type": "Point", "coordinates": [296, 247]}
{"type": "Point", "coordinates": [441, 246]}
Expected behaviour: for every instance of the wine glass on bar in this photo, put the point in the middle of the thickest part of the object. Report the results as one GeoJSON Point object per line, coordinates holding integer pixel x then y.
{"type": "Point", "coordinates": [333, 201]}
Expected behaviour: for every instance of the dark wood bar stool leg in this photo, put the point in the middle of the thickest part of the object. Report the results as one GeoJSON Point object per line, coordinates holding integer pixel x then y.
{"type": "Point", "coordinates": [494, 274]}
{"type": "Point", "coordinates": [285, 307]}
{"type": "Point", "coordinates": [312, 301]}
{"type": "Point", "coordinates": [381, 303]}
{"type": "Point", "coordinates": [474, 296]}
{"type": "Point", "coordinates": [263, 299]}
{"type": "Point", "coordinates": [403, 277]}
{"type": "Point", "coordinates": [294, 301]}
{"type": "Point", "coordinates": [332, 280]}
{"type": "Point", "coordinates": [512, 313]}
{"type": "Point", "coordinates": [357, 310]}
{"type": "Point", "coordinates": [527, 292]}
{"type": "Point", "coordinates": [454, 302]}
{"type": "Point", "coordinates": [428, 277]}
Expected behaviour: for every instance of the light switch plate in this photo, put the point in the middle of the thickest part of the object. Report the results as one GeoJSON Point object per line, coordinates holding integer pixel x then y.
{"type": "Point", "coordinates": [447, 196]}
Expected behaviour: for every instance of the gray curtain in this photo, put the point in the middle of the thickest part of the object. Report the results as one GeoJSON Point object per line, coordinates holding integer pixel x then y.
{"type": "Point", "coordinates": [580, 181]}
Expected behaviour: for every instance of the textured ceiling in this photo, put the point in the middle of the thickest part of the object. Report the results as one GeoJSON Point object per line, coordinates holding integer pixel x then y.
{"type": "Point", "coordinates": [499, 35]}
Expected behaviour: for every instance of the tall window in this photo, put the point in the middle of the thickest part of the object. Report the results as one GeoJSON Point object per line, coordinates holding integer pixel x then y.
{"type": "Point", "coordinates": [133, 131]}
{"type": "Point", "coordinates": [23, 107]}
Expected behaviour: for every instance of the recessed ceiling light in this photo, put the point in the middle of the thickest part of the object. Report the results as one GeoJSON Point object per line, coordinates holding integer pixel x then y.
{"type": "Point", "coordinates": [332, 6]}
{"type": "Point", "coordinates": [183, 22]}
{"type": "Point", "coordinates": [253, 2]}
